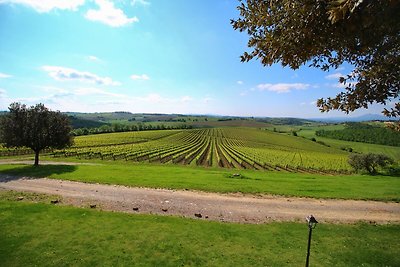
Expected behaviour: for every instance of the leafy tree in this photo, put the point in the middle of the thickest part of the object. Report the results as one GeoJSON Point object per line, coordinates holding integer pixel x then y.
{"type": "Point", "coordinates": [326, 34]}
{"type": "Point", "coordinates": [35, 127]}
{"type": "Point", "coordinates": [369, 162]}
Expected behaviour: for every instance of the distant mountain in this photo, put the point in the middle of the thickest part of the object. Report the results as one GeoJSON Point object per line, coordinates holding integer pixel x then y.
{"type": "Point", "coordinates": [96, 119]}
{"type": "Point", "coordinates": [366, 117]}
{"type": "Point", "coordinates": [285, 121]}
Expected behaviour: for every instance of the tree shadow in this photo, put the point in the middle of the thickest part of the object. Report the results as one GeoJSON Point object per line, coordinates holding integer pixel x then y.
{"type": "Point", "coordinates": [31, 172]}
{"type": "Point", "coordinates": [391, 174]}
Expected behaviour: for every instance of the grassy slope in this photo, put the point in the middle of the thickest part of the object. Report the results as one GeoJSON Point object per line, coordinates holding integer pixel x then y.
{"type": "Point", "coordinates": [279, 141]}
{"type": "Point", "coordinates": [106, 139]}
{"type": "Point", "coordinates": [383, 188]}
{"type": "Point", "coordinates": [232, 123]}
{"type": "Point", "coordinates": [45, 235]}
{"type": "Point", "coordinates": [391, 151]}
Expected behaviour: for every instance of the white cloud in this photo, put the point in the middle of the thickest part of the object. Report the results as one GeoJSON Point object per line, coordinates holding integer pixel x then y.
{"type": "Point", "coordinates": [83, 91]}
{"type": "Point", "coordinates": [334, 76]}
{"type": "Point", "coordinates": [82, 99]}
{"type": "Point", "coordinates": [186, 99]}
{"type": "Point", "coordinates": [337, 85]}
{"type": "Point", "coordinates": [140, 2]}
{"type": "Point", "coordinates": [142, 77]}
{"type": "Point", "coordinates": [46, 99]}
{"type": "Point", "coordinates": [239, 82]}
{"type": "Point", "coordinates": [244, 93]}
{"type": "Point", "coordinates": [52, 89]}
{"type": "Point", "coordinates": [294, 76]}
{"type": "Point", "coordinates": [282, 87]}
{"type": "Point", "coordinates": [313, 103]}
{"type": "Point", "coordinates": [43, 6]}
{"type": "Point", "coordinates": [154, 98]}
{"type": "Point", "coordinates": [95, 91]}
{"type": "Point", "coordinates": [93, 58]}
{"type": "Point", "coordinates": [89, 99]}
{"type": "Point", "coordinates": [68, 74]}
{"type": "Point", "coordinates": [109, 15]}
{"type": "Point", "coordinates": [3, 75]}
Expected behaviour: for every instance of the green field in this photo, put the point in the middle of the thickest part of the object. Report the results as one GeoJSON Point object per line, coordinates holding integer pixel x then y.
{"type": "Point", "coordinates": [391, 151]}
{"type": "Point", "coordinates": [46, 235]}
{"type": "Point", "coordinates": [233, 148]}
{"type": "Point", "coordinates": [382, 188]}
{"type": "Point", "coordinates": [110, 139]}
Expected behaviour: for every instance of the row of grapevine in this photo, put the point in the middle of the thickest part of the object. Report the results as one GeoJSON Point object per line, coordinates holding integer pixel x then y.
{"type": "Point", "coordinates": [228, 148]}
{"type": "Point", "coordinates": [8, 152]}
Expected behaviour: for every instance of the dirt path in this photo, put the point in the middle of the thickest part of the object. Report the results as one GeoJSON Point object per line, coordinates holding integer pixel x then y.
{"type": "Point", "coordinates": [210, 206]}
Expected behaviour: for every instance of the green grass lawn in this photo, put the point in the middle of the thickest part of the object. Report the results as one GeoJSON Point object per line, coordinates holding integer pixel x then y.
{"type": "Point", "coordinates": [38, 234]}
{"type": "Point", "coordinates": [382, 188]}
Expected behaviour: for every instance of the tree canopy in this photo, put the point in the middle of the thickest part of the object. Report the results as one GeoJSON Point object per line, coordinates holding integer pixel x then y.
{"type": "Point", "coordinates": [369, 162]}
{"type": "Point", "coordinates": [35, 127]}
{"type": "Point", "coordinates": [325, 34]}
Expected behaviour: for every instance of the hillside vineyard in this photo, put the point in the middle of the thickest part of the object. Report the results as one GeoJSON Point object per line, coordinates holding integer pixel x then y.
{"type": "Point", "coordinates": [239, 148]}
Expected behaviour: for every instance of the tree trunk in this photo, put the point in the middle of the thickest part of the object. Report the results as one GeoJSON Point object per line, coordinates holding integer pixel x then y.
{"type": "Point", "coordinates": [36, 158]}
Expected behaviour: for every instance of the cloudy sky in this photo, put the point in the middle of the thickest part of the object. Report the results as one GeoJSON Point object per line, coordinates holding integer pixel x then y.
{"type": "Point", "coordinates": [152, 56]}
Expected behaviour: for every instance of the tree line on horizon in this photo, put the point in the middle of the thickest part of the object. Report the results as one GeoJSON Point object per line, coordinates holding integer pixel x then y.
{"type": "Point", "coordinates": [120, 127]}
{"type": "Point", "coordinates": [365, 133]}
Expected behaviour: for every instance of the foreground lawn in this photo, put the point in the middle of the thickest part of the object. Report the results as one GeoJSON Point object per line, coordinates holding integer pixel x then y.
{"type": "Point", "coordinates": [46, 235]}
{"type": "Point", "coordinates": [382, 188]}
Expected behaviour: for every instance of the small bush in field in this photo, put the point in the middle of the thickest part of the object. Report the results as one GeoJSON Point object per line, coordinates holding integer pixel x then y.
{"type": "Point", "coordinates": [369, 162]}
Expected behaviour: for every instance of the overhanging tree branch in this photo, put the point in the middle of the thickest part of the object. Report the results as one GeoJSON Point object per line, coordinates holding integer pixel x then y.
{"type": "Point", "coordinates": [325, 34]}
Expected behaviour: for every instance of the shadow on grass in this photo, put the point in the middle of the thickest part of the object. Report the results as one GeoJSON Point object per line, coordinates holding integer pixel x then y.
{"type": "Point", "coordinates": [388, 173]}
{"type": "Point", "coordinates": [41, 171]}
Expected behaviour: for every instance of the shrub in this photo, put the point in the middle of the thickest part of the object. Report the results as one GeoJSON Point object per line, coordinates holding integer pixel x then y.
{"type": "Point", "coordinates": [394, 170]}
{"type": "Point", "coordinates": [322, 143]}
{"type": "Point", "coordinates": [369, 162]}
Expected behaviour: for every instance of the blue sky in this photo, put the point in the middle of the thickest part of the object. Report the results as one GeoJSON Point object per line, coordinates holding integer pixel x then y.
{"type": "Point", "coordinates": [151, 56]}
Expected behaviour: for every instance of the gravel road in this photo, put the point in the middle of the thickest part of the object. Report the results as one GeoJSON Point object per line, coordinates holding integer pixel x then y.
{"type": "Point", "coordinates": [208, 206]}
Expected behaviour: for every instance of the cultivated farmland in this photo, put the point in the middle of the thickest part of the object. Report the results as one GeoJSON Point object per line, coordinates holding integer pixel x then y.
{"type": "Point", "coordinates": [239, 148]}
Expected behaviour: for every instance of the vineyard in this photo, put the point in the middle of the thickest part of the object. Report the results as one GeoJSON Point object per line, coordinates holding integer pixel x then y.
{"type": "Point", "coordinates": [238, 148]}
